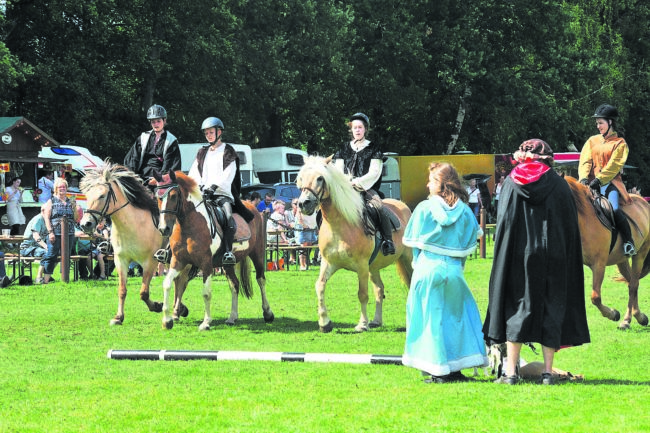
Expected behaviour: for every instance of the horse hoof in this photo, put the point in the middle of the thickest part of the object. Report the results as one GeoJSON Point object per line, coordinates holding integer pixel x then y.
{"type": "Point", "coordinates": [168, 324]}
{"type": "Point", "coordinates": [115, 322]}
{"type": "Point", "coordinates": [624, 326]}
{"type": "Point", "coordinates": [183, 311]}
{"type": "Point", "coordinates": [374, 325]}
{"type": "Point", "coordinates": [361, 328]}
{"type": "Point", "coordinates": [642, 319]}
{"type": "Point", "coordinates": [204, 327]}
{"type": "Point", "coordinates": [326, 328]}
{"type": "Point", "coordinates": [616, 316]}
{"type": "Point", "coordinates": [230, 322]}
{"type": "Point", "coordinates": [157, 307]}
{"type": "Point", "coordinates": [269, 317]}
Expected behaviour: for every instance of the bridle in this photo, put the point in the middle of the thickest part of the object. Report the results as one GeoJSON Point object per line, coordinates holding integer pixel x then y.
{"type": "Point", "coordinates": [319, 196]}
{"type": "Point", "coordinates": [98, 216]}
{"type": "Point", "coordinates": [162, 192]}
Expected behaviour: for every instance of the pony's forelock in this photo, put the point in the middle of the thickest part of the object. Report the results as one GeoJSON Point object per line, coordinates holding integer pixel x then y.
{"type": "Point", "coordinates": [189, 186]}
{"type": "Point", "coordinates": [344, 197]}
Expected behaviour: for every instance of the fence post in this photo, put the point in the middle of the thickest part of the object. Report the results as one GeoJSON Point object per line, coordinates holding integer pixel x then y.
{"type": "Point", "coordinates": [482, 242]}
{"type": "Point", "coordinates": [65, 251]}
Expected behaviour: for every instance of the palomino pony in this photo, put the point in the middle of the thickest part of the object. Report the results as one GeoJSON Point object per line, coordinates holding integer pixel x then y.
{"type": "Point", "coordinates": [114, 191]}
{"type": "Point", "coordinates": [342, 240]}
{"type": "Point", "coordinates": [596, 240]}
{"type": "Point", "coordinates": [193, 245]}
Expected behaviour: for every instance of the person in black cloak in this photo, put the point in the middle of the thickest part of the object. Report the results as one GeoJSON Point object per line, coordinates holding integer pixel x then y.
{"type": "Point", "coordinates": [536, 290]}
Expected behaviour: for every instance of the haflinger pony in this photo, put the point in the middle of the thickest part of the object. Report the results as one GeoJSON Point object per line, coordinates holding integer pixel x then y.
{"type": "Point", "coordinates": [114, 191]}
{"type": "Point", "coordinates": [344, 241]}
{"type": "Point", "coordinates": [596, 241]}
{"type": "Point", "coordinates": [194, 241]}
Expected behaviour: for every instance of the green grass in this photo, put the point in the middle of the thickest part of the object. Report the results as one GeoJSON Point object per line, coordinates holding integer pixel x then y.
{"type": "Point", "coordinates": [56, 376]}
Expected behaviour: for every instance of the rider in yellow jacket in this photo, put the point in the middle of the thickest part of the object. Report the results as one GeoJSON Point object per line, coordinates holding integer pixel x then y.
{"type": "Point", "coordinates": [601, 161]}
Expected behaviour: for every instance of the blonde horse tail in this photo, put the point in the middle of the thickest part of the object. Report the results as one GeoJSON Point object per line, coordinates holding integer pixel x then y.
{"type": "Point", "coordinates": [405, 268]}
{"type": "Point", "coordinates": [245, 278]}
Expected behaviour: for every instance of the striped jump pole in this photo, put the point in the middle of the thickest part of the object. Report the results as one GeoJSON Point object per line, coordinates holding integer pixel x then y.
{"type": "Point", "coordinates": [227, 355]}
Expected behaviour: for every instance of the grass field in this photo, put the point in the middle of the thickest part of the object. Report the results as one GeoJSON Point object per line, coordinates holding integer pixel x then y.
{"type": "Point", "coordinates": [56, 376]}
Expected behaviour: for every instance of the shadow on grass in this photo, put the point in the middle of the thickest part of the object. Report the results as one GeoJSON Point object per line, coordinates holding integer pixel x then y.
{"type": "Point", "coordinates": [284, 325]}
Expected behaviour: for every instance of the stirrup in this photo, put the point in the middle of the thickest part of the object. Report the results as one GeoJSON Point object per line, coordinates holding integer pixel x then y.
{"type": "Point", "coordinates": [163, 256]}
{"type": "Point", "coordinates": [629, 249]}
{"type": "Point", "coordinates": [104, 247]}
{"type": "Point", "coordinates": [228, 258]}
{"type": "Point", "coordinates": [387, 248]}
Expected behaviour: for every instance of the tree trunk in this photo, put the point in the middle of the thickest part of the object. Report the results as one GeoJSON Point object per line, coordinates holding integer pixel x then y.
{"type": "Point", "coordinates": [460, 118]}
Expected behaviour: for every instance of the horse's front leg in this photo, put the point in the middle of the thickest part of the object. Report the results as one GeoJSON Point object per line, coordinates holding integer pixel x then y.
{"type": "Point", "coordinates": [122, 270]}
{"type": "Point", "coordinates": [378, 286]}
{"type": "Point", "coordinates": [363, 301]}
{"type": "Point", "coordinates": [149, 268]}
{"type": "Point", "coordinates": [326, 272]}
{"type": "Point", "coordinates": [598, 275]}
{"type": "Point", "coordinates": [167, 319]}
{"type": "Point", "coordinates": [180, 285]}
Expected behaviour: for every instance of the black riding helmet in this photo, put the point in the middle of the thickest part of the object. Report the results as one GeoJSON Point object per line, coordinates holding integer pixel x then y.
{"type": "Point", "coordinates": [362, 117]}
{"type": "Point", "coordinates": [606, 111]}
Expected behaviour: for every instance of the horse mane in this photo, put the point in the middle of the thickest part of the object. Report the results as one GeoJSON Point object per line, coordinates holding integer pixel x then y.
{"type": "Point", "coordinates": [188, 186]}
{"type": "Point", "coordinates": [344, 197]}
{"type": "Point", "coordinates": [581, 195]}
{"type": "Point", "coordinates": [129, 183]}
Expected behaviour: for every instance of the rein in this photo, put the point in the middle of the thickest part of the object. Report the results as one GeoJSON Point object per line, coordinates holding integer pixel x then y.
{"type": "Point", "coordinates": [319, 197]}
{"type": "Point", "coordinates": [98, 216]}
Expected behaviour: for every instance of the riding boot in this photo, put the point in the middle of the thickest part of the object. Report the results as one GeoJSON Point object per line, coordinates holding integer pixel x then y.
{"type": "Point", "coordinates": [624, 228]}
{"type": "Point", "coordinates": [228, 236]}
{"type": "Point", "coordinates": [387, 246]}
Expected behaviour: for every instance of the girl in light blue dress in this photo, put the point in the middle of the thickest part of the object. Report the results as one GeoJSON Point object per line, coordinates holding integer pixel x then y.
{"type": "Point", "coordinates": [443, 326]}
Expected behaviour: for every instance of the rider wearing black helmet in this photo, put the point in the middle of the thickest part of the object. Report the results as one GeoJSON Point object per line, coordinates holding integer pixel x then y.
{"type": "Point", "coordinates": [362, 160]}
{"type": "Point", "coordinates": [154, 150]}
{"type": "Point", "coordinates": [601, 161]}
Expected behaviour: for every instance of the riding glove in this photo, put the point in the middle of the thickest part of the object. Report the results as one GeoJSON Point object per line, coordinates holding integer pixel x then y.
{"type": "Point", "coordinates": [584, 181]}
{"type": "Point", "coordinates": [595, 184]}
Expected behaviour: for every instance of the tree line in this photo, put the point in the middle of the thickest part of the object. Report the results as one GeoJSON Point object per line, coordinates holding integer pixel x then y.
{"type": "Point", "coordinates": [434, 76]}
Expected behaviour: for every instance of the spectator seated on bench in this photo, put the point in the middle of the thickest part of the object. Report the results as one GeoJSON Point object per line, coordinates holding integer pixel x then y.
{"type": "Point", "coordinates": [34, 243]}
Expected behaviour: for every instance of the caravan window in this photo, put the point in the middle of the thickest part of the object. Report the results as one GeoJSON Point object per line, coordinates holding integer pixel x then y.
{"type": "Point", "coordinates": [295, 159]}
{"type": "Point", "coordinates": [242, 157]}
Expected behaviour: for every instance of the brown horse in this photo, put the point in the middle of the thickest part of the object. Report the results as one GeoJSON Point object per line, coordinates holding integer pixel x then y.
{"type": "Point", "coordinates": [342, 240]}
{"type": "Point", "coordinates": [596, 240]}
{"type": "Point", "coordinates": [114, 191]}
{"type": "Point", "coordinates": [193, 245]}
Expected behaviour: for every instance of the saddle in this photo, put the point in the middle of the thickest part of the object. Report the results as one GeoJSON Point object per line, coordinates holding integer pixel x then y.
{"type": "Point", "coordinates": [604, 210]}
{"type": "Point", "coordinates": [218, 217]}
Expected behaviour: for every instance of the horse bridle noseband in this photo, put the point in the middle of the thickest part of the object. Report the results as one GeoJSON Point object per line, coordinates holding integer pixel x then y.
{"type": "Point", "coordinates": [166, 189]}
{"type": "Point", "coordinates": [98, 216]}
{"type": "Point", "coordinates": [319, 197]}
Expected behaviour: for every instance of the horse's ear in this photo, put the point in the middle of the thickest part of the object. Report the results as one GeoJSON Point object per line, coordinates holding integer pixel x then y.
{"type": "Point", "coordinates": [329, 159]}
{"type": "Point", "coordinates": [157, 176]}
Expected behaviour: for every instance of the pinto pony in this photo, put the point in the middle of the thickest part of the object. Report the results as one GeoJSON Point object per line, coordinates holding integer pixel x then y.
{"type": "Point", "coordinates": [343, 242]}
{"type": "Point", "coordinates": [193, 245]}
{"type": "Point", "coordinates": [114, 191]}
{"type": "Point", "coordinates": [596, 254]}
